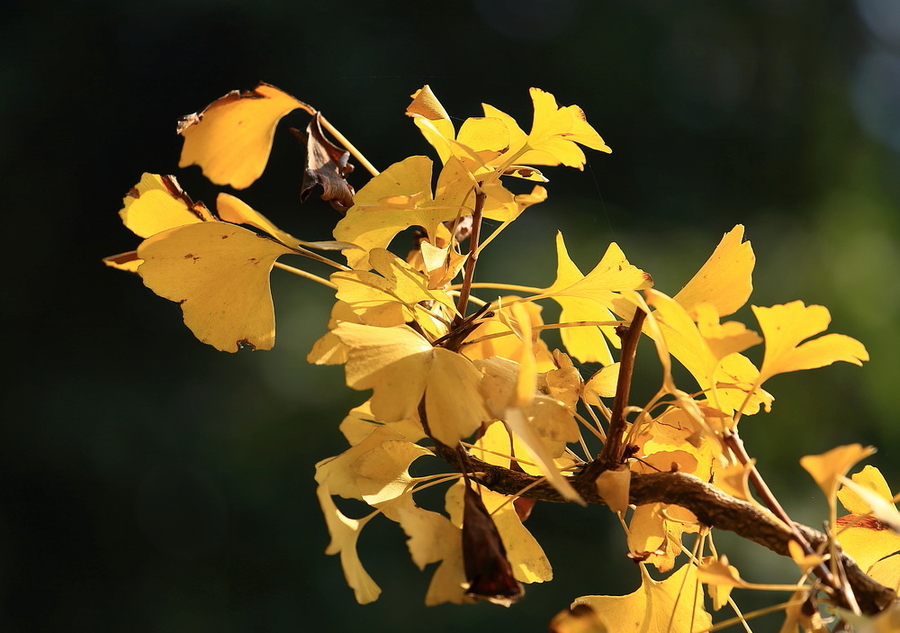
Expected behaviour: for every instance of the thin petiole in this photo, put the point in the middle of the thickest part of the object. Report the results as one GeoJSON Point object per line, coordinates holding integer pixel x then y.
{"type": "Point", "coordinates": [348, 145]}
{"type": "Point", "coordinates": [303, 273]}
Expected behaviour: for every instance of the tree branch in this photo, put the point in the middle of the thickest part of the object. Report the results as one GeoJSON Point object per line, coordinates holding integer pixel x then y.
{"type": "Point", "coordinates": [711, 506]}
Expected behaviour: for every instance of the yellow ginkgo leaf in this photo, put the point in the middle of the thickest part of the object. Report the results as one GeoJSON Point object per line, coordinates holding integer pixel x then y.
{"type": "Point", "coordinates": [589, 298]}
{"type": "Point", "coordinates": [720, 578]}
{"type": "Point", "coordinates": [401, 367]}
{"type": "Point", "coordinates": [510, 345]}
{"type": "Point", "coordinates": [603, 384]}
{"type": "Point", "coordinates": [872, 479]}
{"type": "Point", "coordinates": [614, 485]}
{"type": "Point", "coordinates": [359, 424]}
{"type": "Point", "coordinates": [233, 209]}
{"type": "Point", "coordinates": [231, 139]}
{"type": "Point", "coordinates": [383, 471]}
{"type": "Point", "coordinates": [158, 203]}
{"type": "Point", "coordinates": [674, 605]}
{"type": "Point", "coordinates": [711, 355]}
{"type": "Point", "coordinates": [401, 197]}
{"type": "Point", "coordinates": [874, 547]}
{"type": "Point", "coordinates": [879, 508]}
{"type": "Point", "coordinates": [344, 534]}
{"type": "Point", "coordinates": [392, 296]}
{"type": "Point", "coordinates": [579, 619]}
{"type": "Point", "coordinates": [556, 130]}
{"type": "Point", "coordinates": [430, 534]}
{"type": "Point", "coordinates": [555, 133]}
{"type": "Point", "coordinates": [828, 468]}
{"type": "Point", "coordinates": [153, 205]}
{"type": "Point", "coordinates": [725, 280]}
{"type": "Point", "coordinates": [433, 121]}
{"type": "Point", "coordinates": [784, 328]}
{"type": "Point", "coordinates": [219, 273]}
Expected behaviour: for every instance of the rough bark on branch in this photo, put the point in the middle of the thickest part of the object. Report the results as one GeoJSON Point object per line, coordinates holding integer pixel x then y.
{"type": "Point", "coordinates": [711, 506]}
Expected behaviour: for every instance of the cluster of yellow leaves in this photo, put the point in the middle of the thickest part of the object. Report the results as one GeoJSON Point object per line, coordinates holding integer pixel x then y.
{"type": "Point", "coordinates": [442, 375]}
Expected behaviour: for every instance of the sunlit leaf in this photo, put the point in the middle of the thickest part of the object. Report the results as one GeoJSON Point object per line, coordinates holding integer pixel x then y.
{"type": "Point", "coordinates": [828, 468]}
{"type": "Point", "coordinates": [400, 367]}
{"type": "Point", "coordinates": [784, 328]}
{"type": "Point", "coordinates": [344, 534]}
{"type": "Point", "coordinates": [590, 297]}
{"type": "Point", "coordinates": [158, 203]}
{"type": "Point", "coordinates": [725, 280]}
{"type": "Point", "coordinates": [219, 273]}
{"type": "Point", "coordinates": [232, 137]}
{"type": "Point", "coordinates": [674, 605]}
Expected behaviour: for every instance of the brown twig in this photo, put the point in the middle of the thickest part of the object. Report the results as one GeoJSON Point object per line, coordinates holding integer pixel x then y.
{"type": "Point", "coordinates": [833, 585]}
{"type": "Point", "coordinates": [469, 275]}
{"type": "Point", "coordinates": [613, 449]}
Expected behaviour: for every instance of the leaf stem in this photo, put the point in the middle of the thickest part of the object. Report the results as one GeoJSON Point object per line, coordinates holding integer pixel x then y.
{"type": "Point", "coordinates": [302, 273]}
{"type": "Point", "coordinates": [348, 145]}
{"type": "Point", "coordinates": [494, 286]}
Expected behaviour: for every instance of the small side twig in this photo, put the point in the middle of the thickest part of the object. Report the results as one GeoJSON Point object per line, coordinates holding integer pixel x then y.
{"type": "Point", "coordinates": [469, 275]}
{"type": "Point", "coordinates": [614, 449]}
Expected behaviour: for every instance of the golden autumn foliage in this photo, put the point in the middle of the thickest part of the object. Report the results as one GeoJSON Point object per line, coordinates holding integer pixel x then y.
{"type": "Point", "coordinates": [459, 371]}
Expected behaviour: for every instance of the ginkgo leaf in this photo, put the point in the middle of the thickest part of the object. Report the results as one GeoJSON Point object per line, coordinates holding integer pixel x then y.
{"type": "Point", "coordinates": [338, 471]}
{"type": "Point", "coordinates": [153, 205]}
{"type": "Point", "coordinates": [449, 580]}
{"type": "Point", "coordinates": [880, 508]}
{"type": "Point", "coordinates": [784, 328]}
{"type": "Point", "coordinates": [674, 605]}
{"type": "Point", "coordinates": [128, 261]}
{"type": "Point", "coordinates": [546, 416]}
{"type": "Point", "coordinates": [874, 547]}
{"type": "Point", "coordinates": [872, 479]}
{"type": "Point", "coordinates": [590, 297]}
{"type": "Point", "coordinates": [725, 280]}
{"type": "Point", "coordinates": [329, 350]}
{"type": "Point", "coordinates": [232, 137]}
{"type": "Point", "coordinates": [401, 197]}
{"type": "Point", "coordinates": [401, 367]}
{"type": "Point", "coordinates": [344, 534]}
{"type": "Point", "coordinates": [720, 578]}
{"type": "Point", "coordinates": [433, 120]}
{"type": "Point", "coordinates": [223, 287]}
{"type": "Point", "coordinates": [359, 424]}
{"type": "Point", "coordinates": [158, 203]}
{"type": "Point", "coordinates": [870, 533]}
{"type": "Point", "coordinates": [613, 485]}
{"type": "Point", "coordinates": [602, 384]}
{"type": "Point", "coordinates": [478, 345]}
{"type": "Point", "coordinates": [233, 209]}
{"type": "Point", "coordinates": [393, 295]}
{"type": "Point", "coordinates": [712, 355]}
{"type": "Point", "coordinates": [383, 471]}
{"type": "Point", "coordinates": [429, 533]}
{"type": "Point", "coordinates": [578, 619]}
{"type": "Point", "coordinates": [656, 529]}
{"type": "Point", "coordinates": [555, 133]}
{"type": "Point", "coordinates": [828, 468]}
{"type": "Point", "coordinates": [556, 130]}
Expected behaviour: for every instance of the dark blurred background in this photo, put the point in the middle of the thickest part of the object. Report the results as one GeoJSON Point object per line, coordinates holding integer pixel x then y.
{"type": "Point", "coordinates": [150, 483]}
